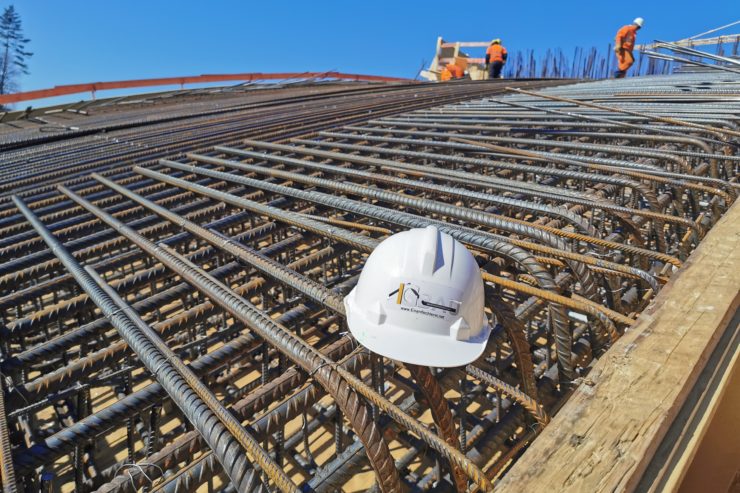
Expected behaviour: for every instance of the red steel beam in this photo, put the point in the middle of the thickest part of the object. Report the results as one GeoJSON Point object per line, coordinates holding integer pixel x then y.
{"type": "Point", "coordinates": [192, 79]}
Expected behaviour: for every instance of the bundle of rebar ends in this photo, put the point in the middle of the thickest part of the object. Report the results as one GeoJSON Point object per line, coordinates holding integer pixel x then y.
{"type": "Point", "coordinates": [171, 291]}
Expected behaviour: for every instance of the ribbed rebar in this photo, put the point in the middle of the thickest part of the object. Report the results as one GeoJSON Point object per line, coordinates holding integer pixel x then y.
{"type": "Point", "coordinates": [294, 348]}
{"type": "Point", "coordinates": [422, 375]}
{"type": "Point", "coordinates": [264, 204]}
{"type": "Point", "coordinates": [325, 371]}
{"type": "Point", "coordinates": [224, 444]}
{"type": "Point", "coordinates": [465, 235]}
{"type": "Point", "coordinates": [245, 439]}
{"type": "Point", "coordinates": [7, 471]}
{"type": "Point", "coordinates": [343, 186]}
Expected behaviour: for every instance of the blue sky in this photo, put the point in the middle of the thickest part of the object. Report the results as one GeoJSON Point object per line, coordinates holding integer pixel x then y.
{"type": "Point", "coordinates": [77, 41]}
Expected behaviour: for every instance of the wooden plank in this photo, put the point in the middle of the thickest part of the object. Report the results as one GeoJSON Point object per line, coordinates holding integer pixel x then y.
{"type": "Point", "coordinates": [466, 44]}
{"type": "Point", "coordinates": [469, 60]}
{"type": "Point", "coordinates": [605, 435]}
{"type": "Point", "coordinates": [713, 444]}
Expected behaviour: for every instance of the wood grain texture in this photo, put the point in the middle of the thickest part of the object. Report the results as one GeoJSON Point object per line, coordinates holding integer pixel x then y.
{"type": "Point", "coordinates": [603, 438]}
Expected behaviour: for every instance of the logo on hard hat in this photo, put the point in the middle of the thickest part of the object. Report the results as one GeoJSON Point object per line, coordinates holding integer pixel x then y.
{"type": "Point", "coordinates": [410, 296]}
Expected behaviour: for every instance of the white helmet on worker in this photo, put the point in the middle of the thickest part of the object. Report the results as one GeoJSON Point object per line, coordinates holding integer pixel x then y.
{"type": "Point", "coordinates": [638, 22]}
{"type": "Point", "coordinates": [420, 300]}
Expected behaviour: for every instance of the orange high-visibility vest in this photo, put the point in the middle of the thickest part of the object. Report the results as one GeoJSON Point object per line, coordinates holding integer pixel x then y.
{"type": "Point", "coordinates": [456, 71]}
{"type": "Point", "coordinates": [496, 53]}
{"type": "Point", "coordinates": [626, 37]}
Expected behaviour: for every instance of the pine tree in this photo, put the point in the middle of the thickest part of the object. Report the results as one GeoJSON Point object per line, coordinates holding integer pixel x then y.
{"type": "Point", "coordinates": [13, 54]}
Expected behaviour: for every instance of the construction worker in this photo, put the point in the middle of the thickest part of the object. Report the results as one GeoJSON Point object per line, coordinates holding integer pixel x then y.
{"type": "Point", "coordinates": [496, 56]}
{"type": "Point", "coordinates": [456, 71]}
{"type": "Point", "coordinates": [451, 71]}
{"type": "Point", "coordinates": [420, 300]}
{"type": "Point", "coordinates": [624, 43]}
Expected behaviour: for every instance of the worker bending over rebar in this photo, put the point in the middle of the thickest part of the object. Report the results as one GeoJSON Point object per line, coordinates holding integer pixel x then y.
{"type": "Point", "coordinates": [452, 71]}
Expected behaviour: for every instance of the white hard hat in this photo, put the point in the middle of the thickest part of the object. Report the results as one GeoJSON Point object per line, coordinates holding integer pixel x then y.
{"type": "Point", "coordinates": [639, 21]}
{"type": "Point", "coordinates": [420, 300]}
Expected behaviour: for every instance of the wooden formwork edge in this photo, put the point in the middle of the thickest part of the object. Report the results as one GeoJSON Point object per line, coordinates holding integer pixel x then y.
{"type": "Point", "coordinates": [605, 436]}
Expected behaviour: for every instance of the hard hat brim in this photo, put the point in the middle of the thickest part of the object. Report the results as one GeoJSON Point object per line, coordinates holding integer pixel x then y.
{"type": "Point", "coordinates": [409, 346]}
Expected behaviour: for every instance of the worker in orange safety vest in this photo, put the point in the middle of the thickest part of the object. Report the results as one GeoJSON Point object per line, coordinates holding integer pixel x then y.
{"type": "Point", "coordinates": [624, 43]}
{"type": "Point", "coordinates": [451, 71]}
{"type": "Point", "coordinates": [455, 70]}
{"type": "Point", "coordinates": [496, 56]}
